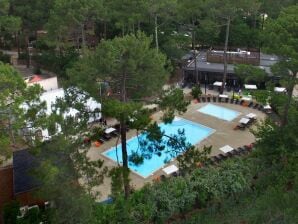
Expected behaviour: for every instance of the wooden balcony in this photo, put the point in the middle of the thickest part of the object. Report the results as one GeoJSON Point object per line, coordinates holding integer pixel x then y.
{"type": "Point", "coordinates": [234, 56]}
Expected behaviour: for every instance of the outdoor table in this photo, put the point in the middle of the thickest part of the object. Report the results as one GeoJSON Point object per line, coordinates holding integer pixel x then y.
{"type": "Point", "coordinates": [246, 98]}
{"type": "Point", "coordinates": [217, 83]}
{"type": "Point", "coordinates": [223, 96]}
{"type": "Point", "coordinates": [280, 89]}
{"type": "Point", "coordinates": [251, 115]}
{"type": "Point", "coordinates": [244, 120]}
{"type": "Point", "coordinates": [250, 86]}
{"type": "Point", "coordinates": [109, 130]}
{"type": "Point", "coordinates": [226, 148]}
{"type": "Point", "coordinates": [170, 169]}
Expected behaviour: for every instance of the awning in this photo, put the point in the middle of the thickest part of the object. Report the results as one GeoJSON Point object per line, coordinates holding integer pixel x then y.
{"type": "Point", "coordinates": [251, 115]}
{"type": "Point", "coordinates": [244, 120]}
{"type": "Point", "coordinates": [109, 130]}
{"type": "Point", "coordinates": [280, 89]}
{"type": "Point", "coordinates": [170, 169]}
{"type": "Point", "coordinates": [217, 83]}
{"type": "Point", "coordinates": [226, 148]}
{"type": "Point", "coordinates": [250, 86]}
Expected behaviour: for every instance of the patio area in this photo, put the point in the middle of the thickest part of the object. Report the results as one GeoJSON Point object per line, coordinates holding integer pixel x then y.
{"type": "Point", "coordinates": [224, 135]}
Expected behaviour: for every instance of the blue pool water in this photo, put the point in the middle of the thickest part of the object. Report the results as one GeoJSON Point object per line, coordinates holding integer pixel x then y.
{"type": "Point", "coordinates": [219, 112]}
{"type": "Point", "coordinates": [194, 133]}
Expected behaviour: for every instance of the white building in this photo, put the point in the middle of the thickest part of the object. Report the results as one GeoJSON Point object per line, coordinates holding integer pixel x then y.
{"type": "Point", "coordinates": [47, 83]}
{"type": "Point", "coordinates": [50, 98]}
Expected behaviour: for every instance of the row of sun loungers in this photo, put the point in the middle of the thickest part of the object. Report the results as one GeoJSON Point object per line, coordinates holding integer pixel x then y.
{"type": "Point", "coordinates": [235, 152]}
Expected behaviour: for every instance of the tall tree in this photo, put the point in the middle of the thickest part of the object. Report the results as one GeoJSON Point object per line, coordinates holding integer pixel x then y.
{"type": "Point", "coordinates": [13, 95]}
{"type": "Point", "coordinates": [227, 11]}
{"type": "Point", "coordinates": [282, 39]}
{"type": "Point", "coordinates": [134, 72]}
{"type": "Point", "coordinates": [68, 19]}
{"type": "Point", "coordinates": [160, 11]}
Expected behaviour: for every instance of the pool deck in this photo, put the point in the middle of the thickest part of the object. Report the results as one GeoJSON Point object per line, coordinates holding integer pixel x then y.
{"type": "Point", "coordinates": [224, 135]}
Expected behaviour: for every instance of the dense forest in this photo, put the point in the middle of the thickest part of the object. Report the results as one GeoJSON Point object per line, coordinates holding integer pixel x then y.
{"type": "Point", "coordinates": [136, 46]}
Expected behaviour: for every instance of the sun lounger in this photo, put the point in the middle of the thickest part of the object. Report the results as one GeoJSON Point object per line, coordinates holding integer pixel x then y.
{"type": "Point", "coordinates": [175, 174]}
{"type": "Point", "coordinates": [106, 137]}
{"type": "Point", "coordinates": [260, 107]}
{"type": "Point", "coordinates": [256, 106]}
{"type": "Point", "coordinates": [101, 140]}
{"type": "Point", "coordinates": [222, 156]}
{"type": "Point", "coordinates": [163, 177]}
{"type": "Point", "coordinates": [215, 159]}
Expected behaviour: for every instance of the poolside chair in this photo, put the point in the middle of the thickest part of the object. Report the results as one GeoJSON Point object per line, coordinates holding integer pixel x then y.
{"type": "Point", "coordinates": [230, 154]}
{"type": "Point", "coordinates": [219, 99]}
{"type": "Point", "coordinates": [248, 147]}
{"type": "Point", "coordinates": [227, 100]}
{"type": "Point", "coordinates": [217, 159]}
{"type": "Point", "coordinates": [106, 137]}
{"type": "Point", "coordinates": [163, 177]}
{"type": "Point", "coordinates": [175, 174]}
{"type": "Point", "coordinates": [256, 106]}
{"type": "Point", "coordinates": [222, 156]}
{"type": "Point", "coordinates": [101, 140]}
{"type": "Point", "coordinates": [243, 150]}
{"type": "Point", "coordinates": [231, 100]}
{"type": "Point", "coordinates": [261, 108]}
{"type": "Point", "coordinates": [214, 98]}
{"type": "Point", "coordinates": [203, 99]}
{"type": "Point", "coordinates": [236, 101]}
{"type": "Point", "coordinates": [208, 99]}
{"type": "Point", "coordinates": [114, 134]}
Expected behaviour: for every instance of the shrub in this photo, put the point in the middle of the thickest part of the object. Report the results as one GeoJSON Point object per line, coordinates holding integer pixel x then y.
{"type": "Point", "coordinates": [196, 92]}
{"type": "Point", "coordinates": [4, 58]}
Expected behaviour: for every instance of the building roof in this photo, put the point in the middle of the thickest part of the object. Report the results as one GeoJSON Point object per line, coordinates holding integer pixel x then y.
{"type": "Point", "coordinates": [202, 65]}
{"type": "Point", "coordinates": [23, 163]}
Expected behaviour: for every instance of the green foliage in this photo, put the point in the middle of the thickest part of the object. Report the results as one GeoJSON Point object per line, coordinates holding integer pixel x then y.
{"type": "Point", "coordinates": [171, 102]}
{"type": "Point", "coordinates": [4, 58]}
{"type": "Point", "coordinates": [250, 74]}
{"type": "Point", "coordinates": [281, 37]}
{"type": "Point", "coordinates": [13, 96]}
{"type": "Point", "coordinates": [193, 158]}
{"type": "Point", "coordinates": [196, 92]}
{"type": "Point", "coordinates": [261, 96]}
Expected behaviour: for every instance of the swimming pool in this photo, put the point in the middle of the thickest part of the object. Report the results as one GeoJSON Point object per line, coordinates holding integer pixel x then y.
{"type": "Point", "coordinates": [219, 112]}
{"type": "Point", "coordinates": [194, 133]}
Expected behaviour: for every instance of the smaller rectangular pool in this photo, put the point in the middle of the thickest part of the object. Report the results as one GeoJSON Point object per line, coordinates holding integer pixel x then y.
{"type": "Point", "coordinates": [219, 112]}
{"type": "Point", "coordinates": [194, 133]}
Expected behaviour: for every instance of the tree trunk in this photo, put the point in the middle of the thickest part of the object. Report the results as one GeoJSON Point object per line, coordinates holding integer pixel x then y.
{"type": "Point", "coordinates": [225, 54]}
{"type": "Point", "coordinates": [156, 31]}
{"type": "Point", "coordinates": [125, 169]}
{"type": "Point", "coordinates": [83, 45]}
{"type": "Point", "coordinates": [195, 55]}
{"type": "Point", "coordinates": [291, 85]}
{"type": "Point", "coordinates": [105, 30]}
